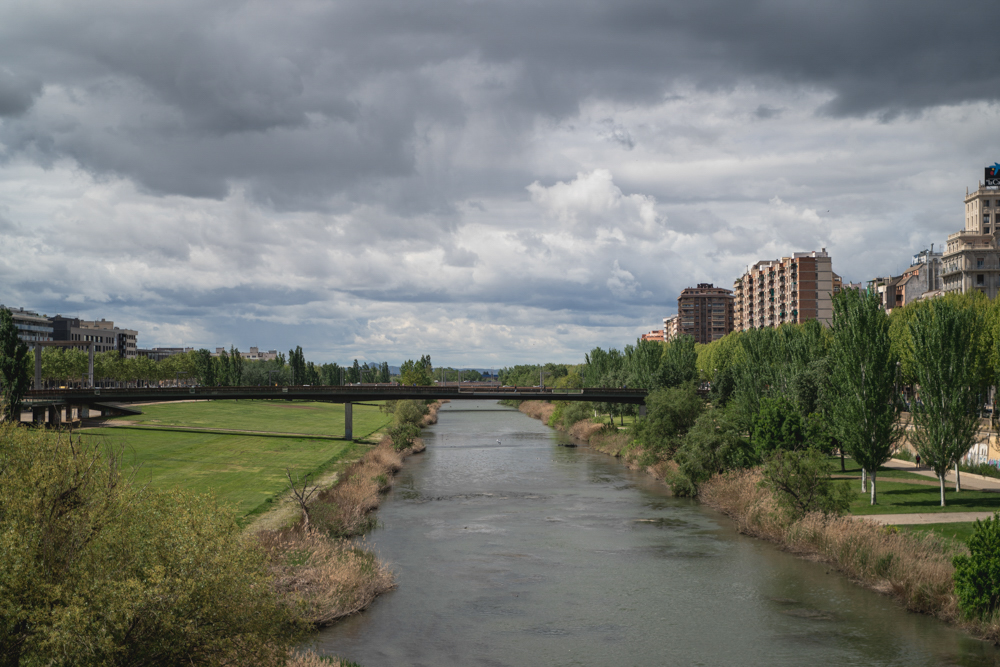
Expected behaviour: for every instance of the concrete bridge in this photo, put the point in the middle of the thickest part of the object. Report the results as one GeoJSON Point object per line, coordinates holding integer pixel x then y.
{"type": "Point", "coordinates": [48, 405]}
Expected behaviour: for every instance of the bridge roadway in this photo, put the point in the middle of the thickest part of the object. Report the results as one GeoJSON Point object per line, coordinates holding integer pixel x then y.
{"type": "Point", "coordinates": [53, 400]}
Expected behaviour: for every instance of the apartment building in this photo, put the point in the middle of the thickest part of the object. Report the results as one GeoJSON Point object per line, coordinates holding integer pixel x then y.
{"type": "Point", "coordinates": [31, 327]}
{"type": "Point", "coordinates": [655, 335]}
{"type": "Point", "coordinates": [103, 333]}
{"type": "Point", "coordinates": [971, 260]}
{"type": "Point", "coordinates": [922, 278]}
{"type": "Point", "coordinates": [671, 327]}
{"type": "Point", "coordinates": [705, 312]}
{"type": "Point", "coordinates": [790, 289]}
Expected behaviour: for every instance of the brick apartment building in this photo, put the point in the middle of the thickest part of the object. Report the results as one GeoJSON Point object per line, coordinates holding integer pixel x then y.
{"type": "Point", "coordinates": [790, 289]}
{"type": "Point", "coordinates": [705, 312]}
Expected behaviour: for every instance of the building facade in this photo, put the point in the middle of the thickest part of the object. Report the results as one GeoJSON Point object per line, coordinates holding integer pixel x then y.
{"type": "Point", "coordinates": [31, 327]}
{"type": "Point", "coordinates": [790, 289]}
{"type": "Point", "coordinates": [971, 260]}
{"type": "Point", "coordinates": [253, 355]}
{"type": "Point", "coordinates": [705, 312]}
{"type": "Point", "coordinates": [161, 353]}
{"type": "Point", "coordinates": [103, 333]}
{"type": "Point", "coordinates": [655, 335]}
{"type": "Point", "coordinates": [671, 327]}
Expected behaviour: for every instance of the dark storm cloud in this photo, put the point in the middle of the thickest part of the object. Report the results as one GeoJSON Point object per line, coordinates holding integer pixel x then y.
{"type": "Point", "coordinates": [297, 101]}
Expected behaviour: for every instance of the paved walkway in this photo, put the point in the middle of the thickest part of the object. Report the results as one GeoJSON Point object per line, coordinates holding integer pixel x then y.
{"type": "Point", "coordinates": [923, 517]}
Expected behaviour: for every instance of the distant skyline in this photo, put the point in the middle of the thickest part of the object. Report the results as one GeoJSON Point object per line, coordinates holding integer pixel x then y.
{"type": "Point", "coordinates": [487, 183]}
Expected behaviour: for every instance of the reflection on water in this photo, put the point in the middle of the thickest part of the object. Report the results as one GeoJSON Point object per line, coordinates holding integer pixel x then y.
{"type": "Point", "coordinates": [527, 553]}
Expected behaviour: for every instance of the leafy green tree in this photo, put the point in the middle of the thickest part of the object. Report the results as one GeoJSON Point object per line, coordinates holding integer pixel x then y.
{"type": "Point", "coordinates": [15, 374]}
{"type": "Point", "coordinates": [204, 367]}
{"type": "Point", "coordinates": [415, 373]}
{"type": "Point", "coordinates": [235, 367]}
{"type": "Point", "coordinates": [384, 374]}
{"type": "Point", "coordinates": [713, 445]}
{"type": "Point", "coordinates": [801, 483]}
{"type": "Point", "coordinates": [354, 373]}
{"type": "Point", "coordinates": [950, 364]}
{"type": "Point", "coordinates": [678, 363]}
{"type": "Point", "coordinates": [669, 415]}
{"type": "Point", "coordinates": [778, 426]}
{"type": "Point", "coordinates": [865, 405]}
{"type": "Point", "coordinates": [977, 576]}
{"type": "Point", "coordinates": [297, 363]}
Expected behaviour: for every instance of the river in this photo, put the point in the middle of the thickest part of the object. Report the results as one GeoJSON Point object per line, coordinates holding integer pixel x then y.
{"type": "Point", "coordinates": [523, 552]}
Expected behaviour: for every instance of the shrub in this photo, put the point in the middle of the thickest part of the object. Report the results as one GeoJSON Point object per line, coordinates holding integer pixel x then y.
{"type": "Point", "coordinates": [801, 484]}
{"type": "Point", "coordinates": [670, 413]}
{"type": "Point", "coordinates": [713, 445]}
{"type": "Point", "coordinates": [778, 426]}
{"type": "Point", "coordinates": [115, 574]}
{"type": "Point", "coordinates": [403, 435]}
{"type": "Point", "coordinates": [409, 412]}
{"type": "Point", "coordinates": [977, 576]}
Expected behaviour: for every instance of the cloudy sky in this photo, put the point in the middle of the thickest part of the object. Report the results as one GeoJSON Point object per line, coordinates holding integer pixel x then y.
{"type": "Point", "coordinates": [489, 182]}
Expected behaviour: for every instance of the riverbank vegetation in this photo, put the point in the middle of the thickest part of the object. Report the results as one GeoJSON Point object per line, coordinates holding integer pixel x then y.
{"type": "Point", "coordinates": [104, 566]}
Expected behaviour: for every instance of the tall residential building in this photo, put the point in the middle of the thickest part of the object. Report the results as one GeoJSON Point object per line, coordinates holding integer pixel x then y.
{"type": "Point", "coordinates": [705, 312]}
{"type": "Point", "coordinates": [103, 333]}
{"type": "Point", "coordinates": [790, 289]}
{"type": "Point", "coordinates": [31, 326]}
{"type": "Point", "coordinates": [972, 259]}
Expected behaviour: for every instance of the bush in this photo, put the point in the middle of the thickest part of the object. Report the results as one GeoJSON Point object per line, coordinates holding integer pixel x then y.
{"type": "Point", "coordinates": [977, 576]}
{"type": "Point", "coordinates": [403, 435]}
{"type": "Point", "coordinates": [568, 413]}
{"type": "Point", "coordinates": [114, 574]}
{"type": "Point", "coordinates": [713, 445]}
{"type": "Point", "coordinates": [801, 484]}
{"type": "Point", "coordinates": [409, 412]}
{"type": "Point", "coordinates": [669, 415]}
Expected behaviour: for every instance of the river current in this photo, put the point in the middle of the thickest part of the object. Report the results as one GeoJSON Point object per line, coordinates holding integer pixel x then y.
{"type": "Point", "coordinates": [511, 549]}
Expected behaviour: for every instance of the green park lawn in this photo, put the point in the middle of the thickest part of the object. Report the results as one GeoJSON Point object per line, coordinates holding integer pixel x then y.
{"type": "Point", "coordinates": [960, 531]}
{"type": "Point", "coordinates": [243, 470]}
{"type": "Point", "coordinates": [854, 470]}
{"type": "Point", "coordinates": [895, 497]}
{"type": "Point", "coordinates": [263, 416]}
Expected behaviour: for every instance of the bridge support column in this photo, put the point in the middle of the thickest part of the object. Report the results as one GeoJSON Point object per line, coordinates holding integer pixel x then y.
{"type": "Point", "coordinates": [38, 415]}
{"type": "Point", "coordinates": [84, 412]}
{"type": "Point", "coordinates": [348, 421]}
{"type": "Point", "coordinates": [55, 415]}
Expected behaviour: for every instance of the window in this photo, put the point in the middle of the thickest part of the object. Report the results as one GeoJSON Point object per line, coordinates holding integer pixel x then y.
{"type": "Point", "coordinates": [986, 202]}
{"type": "Point", "coordinates": [986, 230]}
{"type": "Point", "coordinates": [979, 262]}
{"type": "Point", "coordinates": [986, 218]}
{"type": "Point", "coordinates": [980, 279]}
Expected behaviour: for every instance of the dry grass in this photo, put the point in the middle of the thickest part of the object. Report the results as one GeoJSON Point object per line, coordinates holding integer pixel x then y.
{"type": "Point", "coordinates": [537, 410]}
{"type": "Point", "coordinates": [313, 659]}
{"type": "Point", "coordinates": [432, 412]}
{"type": "Point", "coordinates": [584, 430]}
{"type": "Point", "coordinates": [326, 578]}
{"type": "Point", "coordinates": [914, 568]}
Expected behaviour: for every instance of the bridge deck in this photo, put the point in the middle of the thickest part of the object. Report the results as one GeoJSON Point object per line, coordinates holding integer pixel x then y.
{"type": "Point", "coordinates": [332, 394]}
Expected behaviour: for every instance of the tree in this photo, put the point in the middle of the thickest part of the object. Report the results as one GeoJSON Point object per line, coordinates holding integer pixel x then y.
{"type": "Point", "coordinates": [235, 367]}
{"type": "Point", "coordinates": [15, 376]}
{"type": "Point", "coordinates": [865, 405]}
{"type": "Point", "coordinates": [415, 373]}
{"type": "Point", "coordinates": [204, 367]}
{"type": "Point", "coordinates": [678, 363]}
{"type": "Point", "coordinates": [801, 483]}
{"type": "Point", "coordinates": [949, 358]}
{"type": "Point", "coordinates": [669, 415]}
{"type": "Point", "coordinates": [714, 444]}
{"type": "Point", "coordinates": [778, 426]}
{"type": "Point", "coordinates": [977, 576]}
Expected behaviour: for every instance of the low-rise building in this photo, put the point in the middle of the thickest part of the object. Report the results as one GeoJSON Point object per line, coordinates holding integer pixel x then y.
{"type": "Point", "coordinates": [253, 355]}
{"type": "Point", "coordinates": [655, 335]}
{"type": "Point", "coordinates": [790, 289]}
{"type": "Point", "coordinates": [103, 333]}
{"type": "Point", "coordinates": [705, 312]}
{"type": "Point", "coordinates": [161, 353]}
{"type": "Point", "coordinates": [31, 327]}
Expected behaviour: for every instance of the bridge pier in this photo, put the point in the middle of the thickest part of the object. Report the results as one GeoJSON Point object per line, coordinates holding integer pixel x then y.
{"type": "Point", "coordinates": [55, 416]}
{"type": "Point", "coordinates": [38, 415]}
{"type": "Point", "coordinates": [348, 421]}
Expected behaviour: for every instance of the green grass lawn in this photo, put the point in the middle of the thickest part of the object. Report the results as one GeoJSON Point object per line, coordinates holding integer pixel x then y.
{"type": "Point", "coordinates": [266, 416]}
{"type": "Point", "coordinates": [896, 497]}
{"type": "Point", "coordinates": [960, 532]}
{"type": "Point", "coordinates": [243, 470]}
{"type": "Point", "coordinates": [853, 469]}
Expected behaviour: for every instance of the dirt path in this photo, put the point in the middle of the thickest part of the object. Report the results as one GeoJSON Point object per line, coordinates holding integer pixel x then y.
{"type": "Point", "coordinates": [923, 517]}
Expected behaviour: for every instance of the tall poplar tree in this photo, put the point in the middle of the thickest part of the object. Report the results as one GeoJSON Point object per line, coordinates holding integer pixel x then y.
{"type": "Point", "coordinates": [950, 365]}
{"type": "Point", "coordinates": [14, 371]}
{"type": "Point", "coordinates": [865, 405]}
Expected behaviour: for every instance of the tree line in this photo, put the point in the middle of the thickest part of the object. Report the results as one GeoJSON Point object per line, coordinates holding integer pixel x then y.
{"type": "Point", "coordinates": [857, 387]}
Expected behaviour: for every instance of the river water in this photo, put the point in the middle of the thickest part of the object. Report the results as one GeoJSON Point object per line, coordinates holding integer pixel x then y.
{"type": "Point", "coordinates": [525, 552]}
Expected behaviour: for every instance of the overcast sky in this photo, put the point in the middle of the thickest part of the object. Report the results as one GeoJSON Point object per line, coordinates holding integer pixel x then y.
{"type": "Point", "coordinates": [487, 182]}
